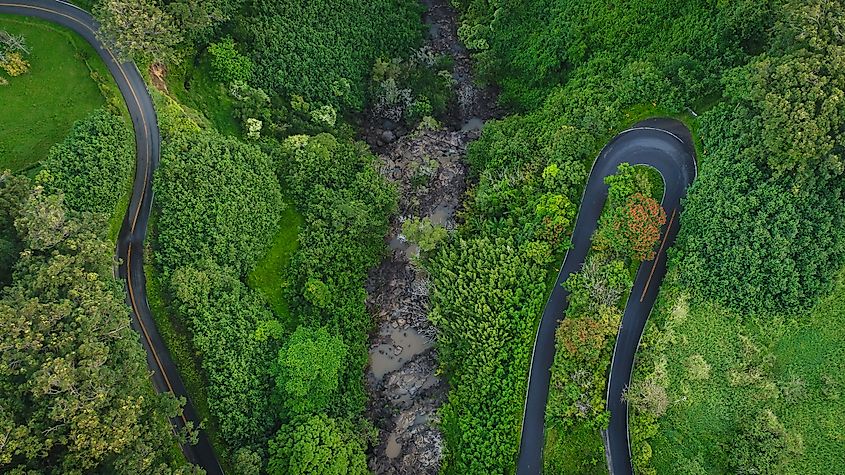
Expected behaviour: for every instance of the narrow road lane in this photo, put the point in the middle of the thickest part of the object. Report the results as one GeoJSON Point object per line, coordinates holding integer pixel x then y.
{"type": "Point", "coordinates": [130, 244]}
{"type": "Point", "coordinates": [667, 146]}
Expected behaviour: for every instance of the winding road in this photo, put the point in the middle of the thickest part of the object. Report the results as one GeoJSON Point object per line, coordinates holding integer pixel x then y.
{"type": "Point", "coordinates": [667, 146]}
{"type": "Point", "coordinates": [130, 244]}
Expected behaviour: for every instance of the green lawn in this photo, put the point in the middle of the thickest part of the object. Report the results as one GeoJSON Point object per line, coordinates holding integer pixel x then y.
{"type": "Point", "coordinates": [40, 106]}
{"type": "Point", "coordinates": [793, 366]}
{"type": "Point", "coordinates": [268, 277]}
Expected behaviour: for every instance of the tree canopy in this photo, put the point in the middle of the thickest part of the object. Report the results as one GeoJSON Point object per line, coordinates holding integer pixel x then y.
{"type": "Point", "coordinates": [74, 385]}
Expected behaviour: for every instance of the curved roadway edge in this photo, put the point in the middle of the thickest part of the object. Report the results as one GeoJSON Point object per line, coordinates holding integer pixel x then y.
{"type": "Point", "coordinates": [667, 146]}
{"type": "Point", "coordinates": [130, 244]}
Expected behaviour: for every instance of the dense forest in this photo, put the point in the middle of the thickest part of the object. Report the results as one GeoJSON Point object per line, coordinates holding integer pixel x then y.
{"type": "Point", "coordinates": [270, 211]}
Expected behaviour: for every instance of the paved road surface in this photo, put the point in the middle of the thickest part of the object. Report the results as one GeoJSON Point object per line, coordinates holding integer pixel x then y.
{"type": "Point", "coordinates": [667, 146]}
{"type": "Point", "coordinates": [130, 243]}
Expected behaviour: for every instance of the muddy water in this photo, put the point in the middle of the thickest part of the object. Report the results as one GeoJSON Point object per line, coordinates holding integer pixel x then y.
{"type": "Point", "coordinates": [393, 448]}
{"type": "Point", "coordinates": [400, 346]}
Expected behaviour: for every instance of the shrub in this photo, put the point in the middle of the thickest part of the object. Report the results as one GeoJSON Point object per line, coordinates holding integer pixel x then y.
{"type": "Point", "coordinates": [93, 164]}
{"type": "Point", "coordinates": [227, 64]}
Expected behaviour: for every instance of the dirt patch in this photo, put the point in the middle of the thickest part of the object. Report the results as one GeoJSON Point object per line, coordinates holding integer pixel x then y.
{"type": "Point", "coordinates": [158, 72]}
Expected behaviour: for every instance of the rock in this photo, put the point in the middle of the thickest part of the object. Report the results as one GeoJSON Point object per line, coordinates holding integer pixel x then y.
{"type": "Point", "coordinates": [387, 136]}
{"type": "Point", "coordinates": [397, 350]}
{"type": "Point", "coordinates": [388, 124]}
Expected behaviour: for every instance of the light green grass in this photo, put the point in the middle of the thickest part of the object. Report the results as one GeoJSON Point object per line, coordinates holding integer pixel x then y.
{"type": "Point", "coordinates": [268, 276]}
{"type": "Point", "coordinates": [40, 107]}
{"type": "Point", "coordinates": [701, 422]}
{"type": "Point", "coordinates": [193, 87]}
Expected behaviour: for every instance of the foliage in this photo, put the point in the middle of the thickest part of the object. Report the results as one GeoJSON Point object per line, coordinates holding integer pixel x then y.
{"type": "Point", "coordinates": [557, 214]}
{"type": "Point", "coordinates": [484, 341]}
{"type": "Point", "coordinates": [307, 370]}
{"type": "Point", "coordinates": [12, 51]}
{"type": "Point", "coordinates": [218, 197]}
{"type": "Point", "coordinates": [13, 192]}
{"type": "Point", "coordinates": [413, 88]}
{"type": "Point", "coordinates": [759, 447]}
{"type": "Point", "coordinates": [783, 241]}
{"type": "Point", "coordinates": [628, 229]}
{"type": "Point", "coordinates": [424, 233]}
{"type": "Point", "coordinates": [317, 445]}
{"type": "Point", "coordinates": [227, 64]}
{"type": "Point", "coordinates": [223, 316]}
{"type": "Point", "coordinates": [14, 64]}
{"type": "Point", "coordinates": [756, 362]}
{"type": "Point", "coordinates": [74, 384]}
{"type": "Point", "coordinates": [779, 192]}
{"type": "Point", "coordinates": [531, 47]}
{"type": "Point", "coordinates": [323, 50]}
{"type": "Point", "coordinates": [138, 28]}
{"type": "Point", "coordinates": [345, 205]}
{"type": "Point", "coordinates": [92, 164]}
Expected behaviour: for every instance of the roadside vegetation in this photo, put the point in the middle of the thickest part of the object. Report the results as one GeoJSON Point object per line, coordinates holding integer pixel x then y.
{"type": "Point", "coordinates": [74, 386]}
{"type": "Point", "coordinates": [627, 235]}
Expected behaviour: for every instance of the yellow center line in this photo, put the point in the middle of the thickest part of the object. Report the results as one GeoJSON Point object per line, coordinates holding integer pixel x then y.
{"type": "Point", "coordinates": [148, 151]}
{"type": "Point", "coordinates": [657, 257]}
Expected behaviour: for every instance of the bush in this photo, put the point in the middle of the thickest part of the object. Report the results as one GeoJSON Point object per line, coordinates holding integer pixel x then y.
{"type": "Point", "coordinates": [227, 64]}
{"type": "Point", "coordinates": [217, 197]}
{"type": "Point", "coordinates": [317, 445]}
{"type": "Point", "coordinates": [93, 164]}
{"type": "Point", "coordinates": [224, 315]}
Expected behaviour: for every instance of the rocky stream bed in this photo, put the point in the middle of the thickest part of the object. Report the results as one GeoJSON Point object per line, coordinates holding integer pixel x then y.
{"type": "Point", "coordinates": [427, 167]}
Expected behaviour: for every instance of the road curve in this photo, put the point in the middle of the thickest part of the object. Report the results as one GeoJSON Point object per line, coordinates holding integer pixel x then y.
{"type": "Point", "coordinates": [666, 145]}
{"type": "Point", "coordinates": [130, 243]}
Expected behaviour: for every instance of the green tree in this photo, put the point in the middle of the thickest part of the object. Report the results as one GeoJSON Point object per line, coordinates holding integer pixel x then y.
{"type": "Point", "coordinates": [317, 445]}
{"type": "Point", "coordinates": [224, 316]}
{"type": "Point", "coordinates": [424, 233]}
{"type": "Point", "coordinates": [324, 50]}
{"type": "Point", "coordinates": [760, 445]}
{"type": "Point", "coordinates": [308, 369]}
{"type": "Point", "coordinates": [218, 197]}
{"type": "Point", "coordinates": [13, 192]}
{"type": "Point", "coordinates": [138, 28]}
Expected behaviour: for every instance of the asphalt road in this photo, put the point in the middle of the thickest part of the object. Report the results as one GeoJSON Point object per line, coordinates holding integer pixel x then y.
{"type": "Point", "coordinates": [667, 146]}
{"type": "Point", "coordinates": [130, 244]}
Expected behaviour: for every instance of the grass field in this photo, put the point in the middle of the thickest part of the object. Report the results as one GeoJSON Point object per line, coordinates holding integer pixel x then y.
{"type": "Point", "coordinates": [792, 366]}
{"type": "Point", "coordinates": [268, 277]}
{"type": "Point", "coordinates": [40, 106]}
